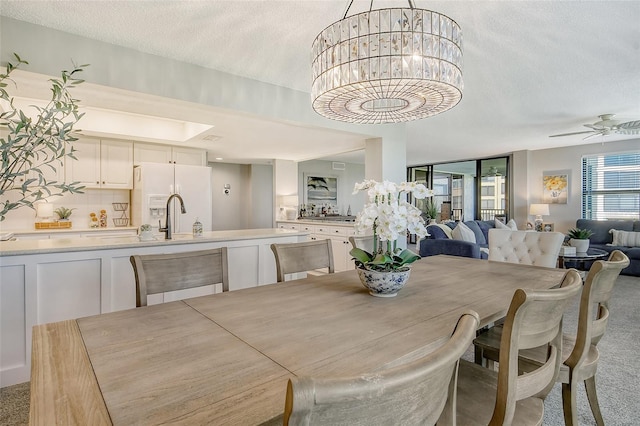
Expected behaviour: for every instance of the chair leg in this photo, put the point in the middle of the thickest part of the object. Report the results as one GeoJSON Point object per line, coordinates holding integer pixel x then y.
{"type": "Point", "coordinates": [592, 396]}
{"type": "Point", "coordinates": [569, 403]}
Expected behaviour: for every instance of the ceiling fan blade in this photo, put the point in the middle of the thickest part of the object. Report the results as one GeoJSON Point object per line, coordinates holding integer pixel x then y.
{"type": "Point", "coordinates": [630, 127]}
{"type": "Point", "coordinates": [570, 134]}
{"type": "Point", "coordinates": [600, 133]}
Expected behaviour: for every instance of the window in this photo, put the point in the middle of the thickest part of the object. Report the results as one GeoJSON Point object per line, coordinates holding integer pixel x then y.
{"type": "Point", "coordinates": [611, 186]}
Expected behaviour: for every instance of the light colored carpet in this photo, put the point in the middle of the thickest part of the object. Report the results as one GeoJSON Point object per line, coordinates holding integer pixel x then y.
{"type": "Point", "coordinates": [14, 405]}
{"type": "Point", "coordinates": [618, 378]}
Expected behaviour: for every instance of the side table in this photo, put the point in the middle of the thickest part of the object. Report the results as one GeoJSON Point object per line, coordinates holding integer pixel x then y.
{"type": "Point", "coordinates": [581, 257]}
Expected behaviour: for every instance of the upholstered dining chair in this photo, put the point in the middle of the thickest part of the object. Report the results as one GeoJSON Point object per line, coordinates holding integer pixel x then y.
{"type": "Point", "coordinates": [580, 351]}
{"type": "Point", "coordinates": [528, 248]}
{"type": "Point", "coordinates": [159, 273]}
{"type": "Point", "coordinates": [302, 257]}
{"type": "Point", "coordinates": [411, 393]}
{"type": "Point", "coordinates": [362, 242]}
{"type": "Point", "coordinates": [534, 318]}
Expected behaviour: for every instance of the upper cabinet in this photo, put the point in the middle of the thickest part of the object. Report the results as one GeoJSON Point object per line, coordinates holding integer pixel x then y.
{"type": "Point", "coordinates": [156, 153]}
{"type": "Point", "coordinates": [101, 164]}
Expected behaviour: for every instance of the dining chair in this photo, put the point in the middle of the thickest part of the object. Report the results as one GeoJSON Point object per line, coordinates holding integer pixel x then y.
{"type": "Point", "coordinates": [159, 273]}
{"type": "Point", "coordinates": [528, 248]}
{"type": "Point", "coordinates": [580, 351]}
{"type": "Point", "coordinates": [503, 397]}
{"type": "Point", "coordinates": [302, 257]}
{"type": "Point", "coordinates": [410, 393]}
{"type": "Point", "coordinates": [362, 242]}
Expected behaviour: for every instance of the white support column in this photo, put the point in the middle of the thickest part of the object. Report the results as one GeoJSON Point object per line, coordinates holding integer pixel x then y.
{"type": "Point", "coordinates": [285, 182]}
{"type": "Point", "coordinates": [386, 159]}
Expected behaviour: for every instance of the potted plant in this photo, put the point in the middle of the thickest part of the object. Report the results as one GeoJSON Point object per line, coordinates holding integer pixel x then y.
{"type": "Point", "coordinates": [388, 214]}
{"type": "Point", "coordinates": [35, 142]}
{"type": "Point", "coordinates": [63, 213]}
{"type": "Point", "coordinates": [431, 210]}
{"type": "Point", "coordinates": [579, 238]}
{"type": "Point", "coordinates": [146, 232]}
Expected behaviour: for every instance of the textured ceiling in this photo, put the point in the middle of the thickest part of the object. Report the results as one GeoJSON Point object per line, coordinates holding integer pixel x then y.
{"type": "Point", "coordinates": [531, 69]}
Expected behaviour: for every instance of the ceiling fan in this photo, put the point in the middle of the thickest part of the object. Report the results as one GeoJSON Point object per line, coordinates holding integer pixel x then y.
{"type": "Point", "coordinates": [606, 126]}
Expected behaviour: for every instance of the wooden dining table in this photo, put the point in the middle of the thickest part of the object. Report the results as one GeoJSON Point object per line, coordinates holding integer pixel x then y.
{"type": "Point", "coordinates": [226, 358]}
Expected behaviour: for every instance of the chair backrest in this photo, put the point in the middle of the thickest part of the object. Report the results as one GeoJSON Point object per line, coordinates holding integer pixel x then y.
{"type": "Point", "coordinates": [596, 293]}
{"type": "Point", "coordinates": [302, 257]}
{"type": "Point", "coordinates": [159, 273]}
{"type": "Point", "coordinates": [534, 319]}
{"type": "Point", "coordinates": [528, 248]}
{"type": "Point", "coordinates": [413, 393]}
{"type": "Point", "coordinates": [362, 242]}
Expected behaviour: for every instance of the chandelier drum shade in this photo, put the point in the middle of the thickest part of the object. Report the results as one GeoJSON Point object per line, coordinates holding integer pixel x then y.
{"type": "Point", "coordinates": [387, 66]}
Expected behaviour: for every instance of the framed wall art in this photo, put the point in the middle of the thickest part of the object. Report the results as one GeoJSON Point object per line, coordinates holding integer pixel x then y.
{"type": "Point", "coordinates": [320, 190]}
{"type": "Point", "coordinates": [555, 187]}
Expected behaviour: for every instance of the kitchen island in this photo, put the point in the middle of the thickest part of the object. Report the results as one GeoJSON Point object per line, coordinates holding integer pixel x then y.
{"type": "Point", "coordinates": [50, 280]}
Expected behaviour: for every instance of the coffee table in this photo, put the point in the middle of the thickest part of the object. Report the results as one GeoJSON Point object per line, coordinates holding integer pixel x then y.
{"type": "Point", "coordinates": [581, 257]}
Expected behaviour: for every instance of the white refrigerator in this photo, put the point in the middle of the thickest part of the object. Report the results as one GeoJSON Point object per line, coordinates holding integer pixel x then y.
{"type": "Point", "coordinates": [153, 183]}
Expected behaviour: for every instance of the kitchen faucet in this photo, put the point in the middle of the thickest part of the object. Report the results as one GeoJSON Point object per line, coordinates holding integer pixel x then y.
{"type": "Point", "coordinates": [167, 228]}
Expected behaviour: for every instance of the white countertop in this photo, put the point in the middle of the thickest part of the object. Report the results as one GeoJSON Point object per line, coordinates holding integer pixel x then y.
{"type": "Point", "coordinates": [323, 221]}
{"type": "Point", "coordinates": [59, 245]}
{"type": "Point", "coordinates": [70, 230]}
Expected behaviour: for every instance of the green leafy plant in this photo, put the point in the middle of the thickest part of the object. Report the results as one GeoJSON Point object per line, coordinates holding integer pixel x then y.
{"type": "Point", "coordinates": [145, 227]}
{"type": "Point", "coordinates": [431, 209]}
{"type": "Point", "coordinates": [63, 212]}
{"type": "Point", "coordinates": [579, 234]}
{"type": "Point", "coordinates": [33, 146]}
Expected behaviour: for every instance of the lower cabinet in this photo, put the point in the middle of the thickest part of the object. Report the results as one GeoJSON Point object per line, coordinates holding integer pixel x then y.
{"type": "Point", "coordinates": [338, 234]}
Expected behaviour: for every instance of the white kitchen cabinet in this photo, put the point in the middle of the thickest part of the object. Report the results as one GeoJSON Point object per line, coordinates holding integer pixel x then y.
{"type": "Point", "coordinates": [338, 234]}
{"type": "Point", "coordinates": [188, 156]}
{"type": "Point", "coordinates": [102, 164]}
{"type": "Point", "coordinates": [157, 153]}
{"type": "Point", "coordinates": [51, 175]}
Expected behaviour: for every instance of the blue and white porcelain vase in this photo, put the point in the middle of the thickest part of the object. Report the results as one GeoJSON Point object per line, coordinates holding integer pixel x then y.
{"type": "Point", "coordinates": [383, 284]}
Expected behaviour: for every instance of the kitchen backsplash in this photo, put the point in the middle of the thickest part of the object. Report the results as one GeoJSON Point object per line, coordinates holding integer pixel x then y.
{"type": "Point", "coordinates": [92, 201]}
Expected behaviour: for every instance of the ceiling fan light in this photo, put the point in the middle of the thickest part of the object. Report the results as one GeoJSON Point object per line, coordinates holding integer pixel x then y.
{"type": "Point", "coordinates": [387, 66]}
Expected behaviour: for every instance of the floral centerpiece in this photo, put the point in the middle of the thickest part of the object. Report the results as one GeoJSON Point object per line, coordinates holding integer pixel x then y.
{"type": "Point", "coordinates": [389, 215]}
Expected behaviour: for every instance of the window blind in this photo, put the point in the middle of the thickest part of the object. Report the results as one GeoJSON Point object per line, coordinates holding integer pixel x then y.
{"type": "Point", "coordinates": [611, 186]}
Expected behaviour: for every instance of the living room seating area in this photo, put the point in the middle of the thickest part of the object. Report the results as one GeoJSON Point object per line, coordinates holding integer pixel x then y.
{"type": "Point", "coordinates": [626, 238]}
{"type": "Point", "coordinates": [443, 240]}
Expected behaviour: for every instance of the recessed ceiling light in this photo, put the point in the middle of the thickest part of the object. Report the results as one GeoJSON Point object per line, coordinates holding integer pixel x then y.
{"type": "Point", "coordinates": [219, 158]}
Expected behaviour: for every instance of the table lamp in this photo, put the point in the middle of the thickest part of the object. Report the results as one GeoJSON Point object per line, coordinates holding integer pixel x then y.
{"type": "Point", "coordinates": [44, 211]}
{"type": "Point", "coordinates": [290, 203]}
{"type": "Point", "coordinates": [539, 210]}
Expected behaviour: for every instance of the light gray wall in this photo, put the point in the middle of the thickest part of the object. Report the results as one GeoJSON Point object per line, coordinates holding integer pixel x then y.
{"type": "Point", "coordinates": [568, 158]}
{"type": "Point", "coordinates": [230, 211]}
{"type": "Point", "coordinates": [261, 207]}
{"type": "Point", "coordinates": [347, 178]}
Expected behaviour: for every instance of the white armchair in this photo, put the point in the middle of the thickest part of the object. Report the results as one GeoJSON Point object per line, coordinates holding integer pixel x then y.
{"type": "Point", "coordinates": [528, 248]}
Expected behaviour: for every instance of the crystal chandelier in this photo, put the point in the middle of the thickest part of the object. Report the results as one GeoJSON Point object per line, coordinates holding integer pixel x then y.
{"type": "Point", "coordinates": [387, 66]}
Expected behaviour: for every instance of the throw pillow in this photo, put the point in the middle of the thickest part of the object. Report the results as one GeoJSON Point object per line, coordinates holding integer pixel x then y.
{"type": "Point", "coordinates": [509, 225]}
{"type": "Point", "coordinates": [444, 228]}
{"type": "Point", "coordinates": [625, 238]}
{"type": "Point", "coordinates": [463, 233]}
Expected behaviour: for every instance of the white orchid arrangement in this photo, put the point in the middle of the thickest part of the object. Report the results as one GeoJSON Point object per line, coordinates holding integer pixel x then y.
{"type": "Point", "coordinates": [390, 216]}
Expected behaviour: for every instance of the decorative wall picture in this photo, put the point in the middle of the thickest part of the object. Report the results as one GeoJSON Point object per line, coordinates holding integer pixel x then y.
{"type": "Point", "coordinates": [555, 187]}
{"type": "Point", "coordinates": [321, 190]}
{"type": "Point", "coordinates": [548, 227]}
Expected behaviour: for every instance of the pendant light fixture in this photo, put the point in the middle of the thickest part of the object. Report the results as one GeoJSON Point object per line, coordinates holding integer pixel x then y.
{"type": "Point", "coordinates": [387, 66]}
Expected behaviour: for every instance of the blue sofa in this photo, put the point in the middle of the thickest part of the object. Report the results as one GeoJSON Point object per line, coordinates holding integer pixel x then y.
{"type": "Point", "coordinates": [601, 237]}
{"type": "Point", "coordinates": [439, 243]}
